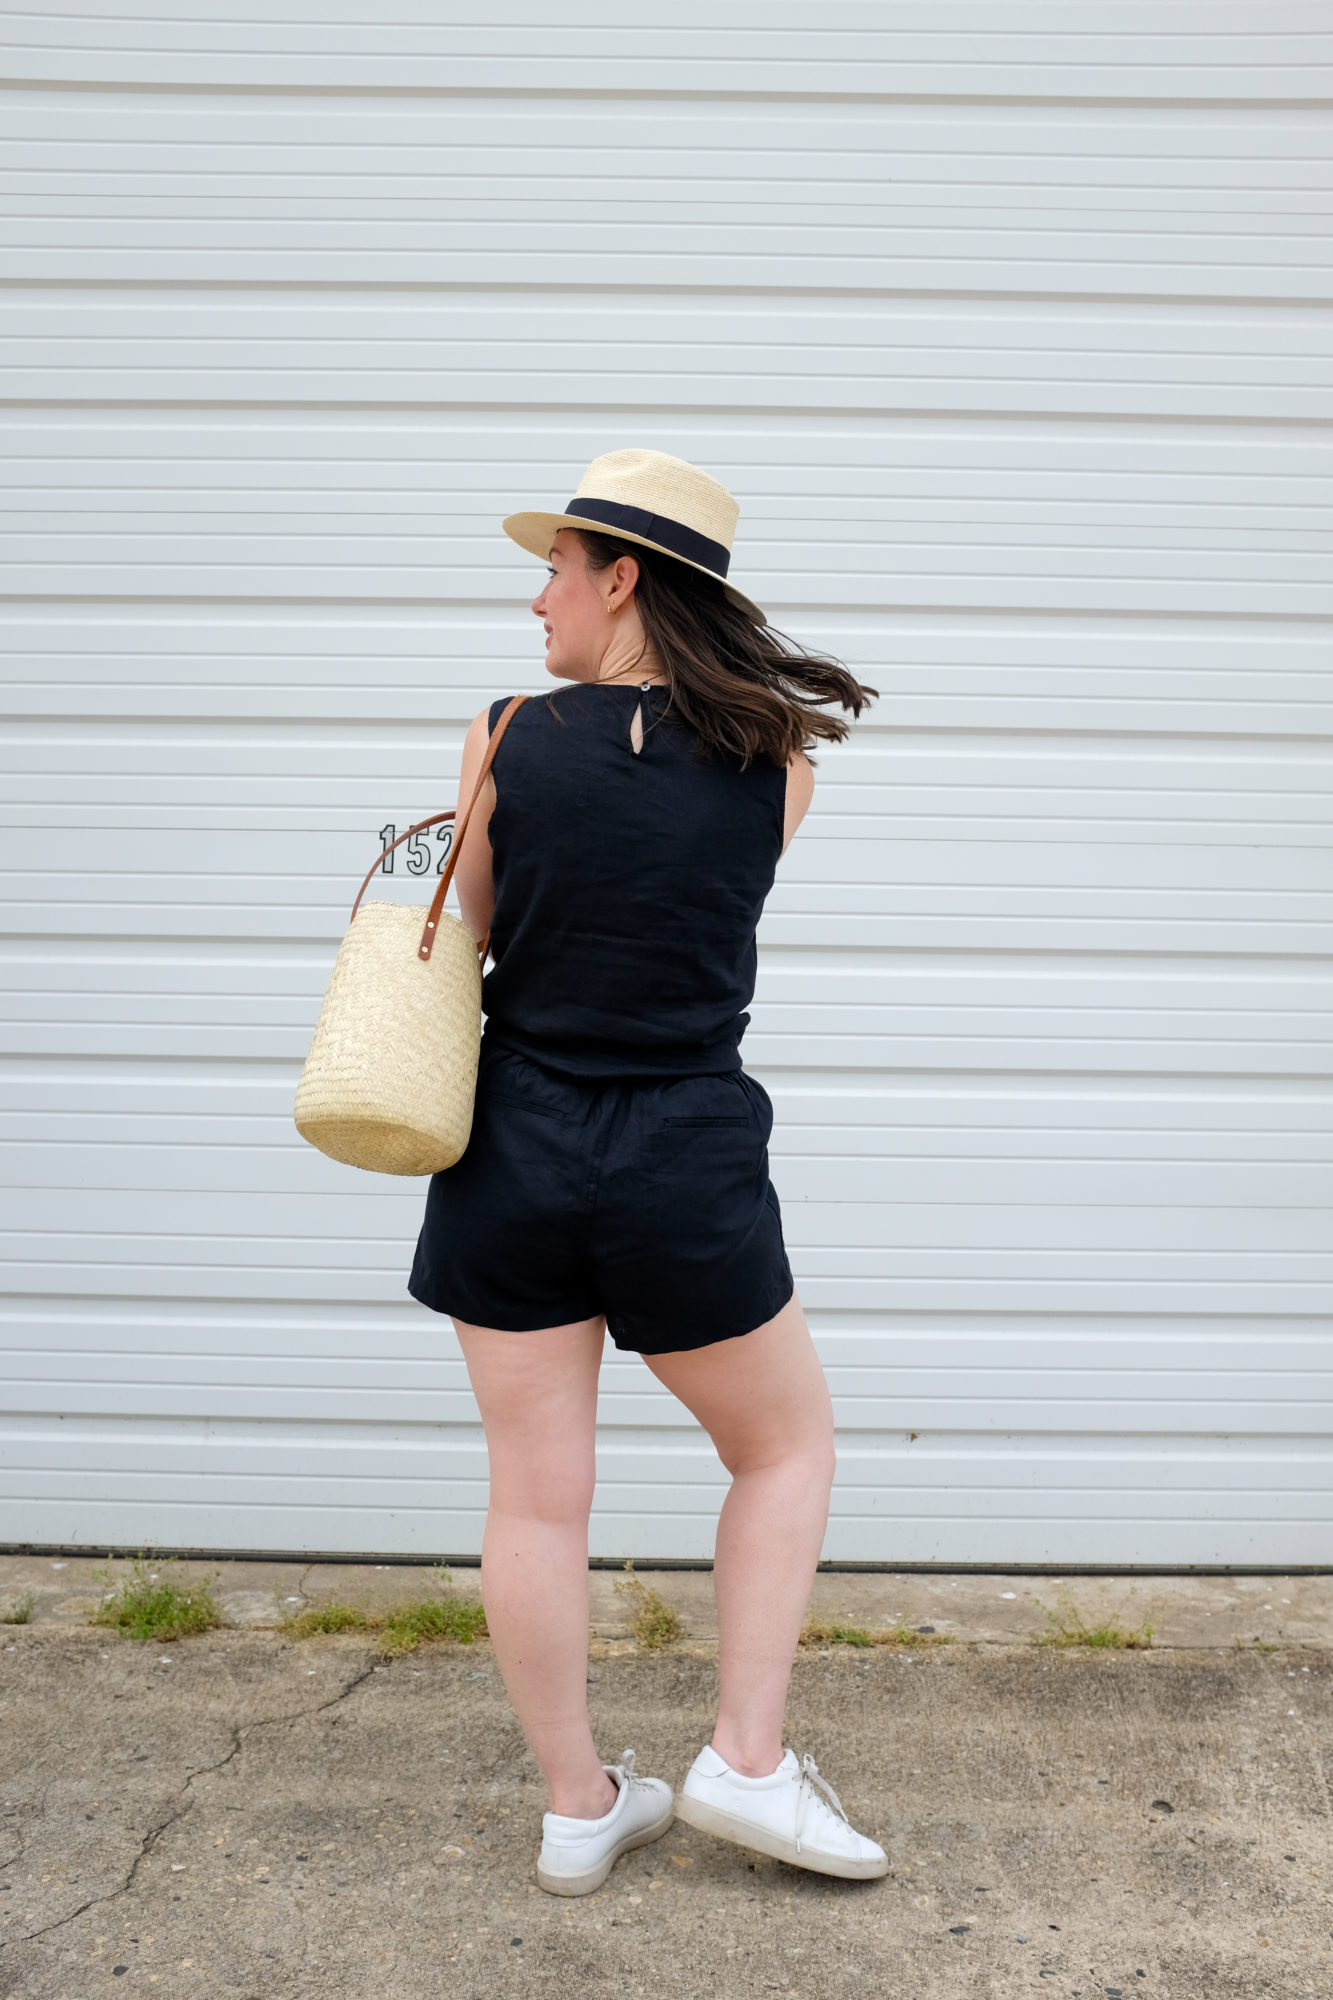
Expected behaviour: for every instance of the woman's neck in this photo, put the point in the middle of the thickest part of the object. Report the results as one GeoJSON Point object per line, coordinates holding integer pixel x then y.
{"type": "Point", "coordinates": [632, 677]}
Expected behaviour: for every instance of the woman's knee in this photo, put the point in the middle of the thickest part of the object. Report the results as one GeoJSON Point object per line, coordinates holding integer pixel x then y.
{"type": "Point", "coordinates": [810, 1451]}
{"type": "Point", "coordinates": [556, 1491]}
{"type": "Point", "coordinates": [828, 1457]}
{"type": "Point", "coordinates": [795, 1428]}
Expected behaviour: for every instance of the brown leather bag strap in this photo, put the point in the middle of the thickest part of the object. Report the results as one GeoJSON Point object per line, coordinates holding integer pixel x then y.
{"type": "Point", "coordinates": [436, 819]}
{"type": "Point", "coordinates": [427, 944]}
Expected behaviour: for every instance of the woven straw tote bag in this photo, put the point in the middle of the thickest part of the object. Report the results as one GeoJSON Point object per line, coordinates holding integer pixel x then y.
{"type": "Point", "coordinates": [391, 1076]}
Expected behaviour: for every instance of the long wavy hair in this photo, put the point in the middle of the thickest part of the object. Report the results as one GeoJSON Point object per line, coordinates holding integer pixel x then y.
{"type": "Point", "coordinates": [744, 688]}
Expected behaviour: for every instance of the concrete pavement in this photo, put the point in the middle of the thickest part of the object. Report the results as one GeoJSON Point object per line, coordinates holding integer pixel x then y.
{"type": "Point", "coordinates": [239, 1816]}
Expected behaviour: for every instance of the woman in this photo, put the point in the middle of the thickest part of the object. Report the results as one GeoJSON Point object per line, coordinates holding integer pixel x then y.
{"type": "Point", "coordinates": [616, 1177]}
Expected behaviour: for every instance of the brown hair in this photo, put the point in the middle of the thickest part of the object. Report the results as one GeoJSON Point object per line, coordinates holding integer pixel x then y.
{"type": "Point", "coordinates": [742, 687]}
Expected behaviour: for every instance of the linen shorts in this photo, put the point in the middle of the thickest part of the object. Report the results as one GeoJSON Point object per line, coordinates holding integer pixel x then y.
{"type": "Point", "coordinates": [647, 1199]}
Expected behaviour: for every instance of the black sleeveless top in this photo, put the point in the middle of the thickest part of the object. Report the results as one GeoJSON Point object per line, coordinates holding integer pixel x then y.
{"type": "Point", "coordinates": [628, 886]}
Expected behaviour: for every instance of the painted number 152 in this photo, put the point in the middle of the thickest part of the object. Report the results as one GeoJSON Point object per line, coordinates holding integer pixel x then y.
{"type": "Point", "coordinates": [417, 850]}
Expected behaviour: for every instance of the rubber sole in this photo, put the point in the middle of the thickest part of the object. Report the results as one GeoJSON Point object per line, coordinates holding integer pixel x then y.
{"type": "Point", "coordinates": [729, 1826]}
{"type": "Point", "coordinates": [589, 1879]}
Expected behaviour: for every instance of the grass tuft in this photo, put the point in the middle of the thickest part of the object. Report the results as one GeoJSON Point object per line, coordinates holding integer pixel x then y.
{"type": "Point", "coordinates": [653, 1621]}
{"type": "Point", "coordinates": [150, 1604]}
{"type": "Point", "coordinates": [324, 1618]}
{"type": "Point", "coordinates": [1066, 1627]}
{"type": "Point", "coordinates": [401, 1629]}
{"type": "Point", "coordinates": [409, 1625]}
{"type": "Point", "coordinates": [20, 1611]}
{"type": "Point", "coordinates": [815, 1633]}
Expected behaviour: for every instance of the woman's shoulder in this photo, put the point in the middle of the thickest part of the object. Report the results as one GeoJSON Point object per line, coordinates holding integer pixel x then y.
{"type": "Point", "coordinates": [800, 778]}
{"type": "Point", "coordinates": [482, 728]}
{"type": "Point", "coordinates": [490, 716]}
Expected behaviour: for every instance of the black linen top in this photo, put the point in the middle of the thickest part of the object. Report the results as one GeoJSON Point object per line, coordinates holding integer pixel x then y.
{"type": "Point", "coordinates": [628, 886]}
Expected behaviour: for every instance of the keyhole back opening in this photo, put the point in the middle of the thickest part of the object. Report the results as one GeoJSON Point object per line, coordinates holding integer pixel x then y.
{"type": "Point", "coordinates": [636, 725]}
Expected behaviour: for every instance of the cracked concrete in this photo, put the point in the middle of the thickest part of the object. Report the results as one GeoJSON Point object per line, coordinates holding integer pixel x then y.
{"type": "Point", "coordinates": [240, 1817]}
{"type": "Point", "coordinates": [155, 1833]}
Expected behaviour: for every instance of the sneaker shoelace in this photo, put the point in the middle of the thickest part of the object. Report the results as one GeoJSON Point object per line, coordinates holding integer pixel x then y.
{"type": "Point", "coordinates": [806, 1796]}
{"type": "Point", "coordinates": [631, 1776]}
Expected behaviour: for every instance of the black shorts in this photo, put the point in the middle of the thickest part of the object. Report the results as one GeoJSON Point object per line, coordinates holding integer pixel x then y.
{"type": "Point", "coordinates": [647, 1199]}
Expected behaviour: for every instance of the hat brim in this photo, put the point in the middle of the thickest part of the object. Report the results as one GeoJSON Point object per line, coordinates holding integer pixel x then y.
{"type": "Point", "coordinates": [536, 532]}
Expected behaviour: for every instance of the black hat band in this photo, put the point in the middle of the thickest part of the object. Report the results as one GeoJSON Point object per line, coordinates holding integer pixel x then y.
{"type": "Point", "coordinates": [672, 535]}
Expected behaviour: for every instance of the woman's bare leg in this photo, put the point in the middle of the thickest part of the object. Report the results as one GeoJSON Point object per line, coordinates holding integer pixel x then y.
{"type": "Point", "coordinates": [764, 1402]}
{"type": "Point", "coordinates": [537, 1393]}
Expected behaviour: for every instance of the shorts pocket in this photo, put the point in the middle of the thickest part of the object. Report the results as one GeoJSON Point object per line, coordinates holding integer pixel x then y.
{"type": "Point", "coordinates": [728, 1120]}
{"type": "Point", "coordinates": [509, 1078]}
{"type": "Point", "coordinates": [523, 1104]}
{"type": "Point", "coordinates": [716, 1101]}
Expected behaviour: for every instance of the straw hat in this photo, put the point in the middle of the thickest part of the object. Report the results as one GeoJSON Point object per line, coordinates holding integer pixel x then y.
{"type": "Point", "coordinates": [651, 498]}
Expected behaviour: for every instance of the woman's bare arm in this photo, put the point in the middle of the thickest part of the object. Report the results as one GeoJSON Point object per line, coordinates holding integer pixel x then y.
{"type": "Point", "coordinates": [800, 791]}
{"type": "Point", "coordinates": [472, 876]}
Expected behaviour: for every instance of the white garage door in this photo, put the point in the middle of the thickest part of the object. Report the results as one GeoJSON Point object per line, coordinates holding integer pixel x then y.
{"type": "Point", "coordinates": [1012, 338]}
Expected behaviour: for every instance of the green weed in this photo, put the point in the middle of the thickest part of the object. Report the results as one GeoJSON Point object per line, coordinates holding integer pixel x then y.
{"type": "Point", "coordinates": [324, 1618]}
{"type": "Point", "coordinates": [150, 1604]}
{"type": "Point", "coordinates": [20, 1611]}
{"type": "Point", "coordinates": [653, 1621]}
{"type": "Point", "coordinates": [835, 1635]}
{"type": "Point", "coordinates": [1066, 1627]}
{"type": "Point", "coordinates": [815, 1633]}
{"type": "Point", "coordinates": [402, 1628]}
{"type": "Point", "coordinates": [408, 1625]}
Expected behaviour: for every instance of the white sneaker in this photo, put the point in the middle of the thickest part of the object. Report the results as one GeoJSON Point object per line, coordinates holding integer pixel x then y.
{"type": "Point", "coordinates": [578, 1854]}
{"type": "Point", "coordinates": [782, 1815]}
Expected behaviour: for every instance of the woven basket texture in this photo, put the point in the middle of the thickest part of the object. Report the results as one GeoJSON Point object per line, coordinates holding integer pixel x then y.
{"type": "Point", "coordinates": [391, 1076]}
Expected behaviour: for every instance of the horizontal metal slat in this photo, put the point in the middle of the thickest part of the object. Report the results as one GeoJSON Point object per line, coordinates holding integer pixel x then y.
{"type": "Point", "coordinates": [1042, 55]}
{"type": "Point", "coordinates": [1260, 1409]}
